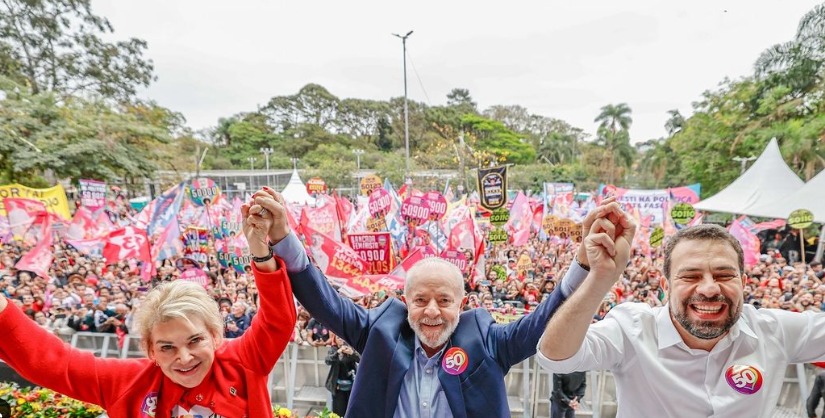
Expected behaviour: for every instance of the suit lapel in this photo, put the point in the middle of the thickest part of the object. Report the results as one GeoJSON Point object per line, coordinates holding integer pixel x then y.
{"type": "Point", "coordinates": [401, 362]}
{"type": "Point", "coordinates": [452, 389]}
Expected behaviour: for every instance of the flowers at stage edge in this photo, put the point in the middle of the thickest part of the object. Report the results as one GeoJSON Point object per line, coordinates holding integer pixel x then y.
{"type": "Point", "coordinates": [44, 403]}
{"type": "Point", "coordinates": [281, 412]}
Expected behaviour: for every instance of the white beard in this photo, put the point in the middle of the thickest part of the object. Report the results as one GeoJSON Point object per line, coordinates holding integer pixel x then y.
{"type": "Point", "coordinates": [441, 339]}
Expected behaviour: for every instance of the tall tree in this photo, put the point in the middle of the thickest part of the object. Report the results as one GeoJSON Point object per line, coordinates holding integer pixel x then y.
{"type": "Point", "coordinates": [58, 45]}
{"type": "Point", "coordinates": [674, 122]}
{"type": "Point", "coordinates": [613, 136]}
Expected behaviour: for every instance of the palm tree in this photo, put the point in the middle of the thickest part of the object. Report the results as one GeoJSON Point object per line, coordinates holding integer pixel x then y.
{"type": "Point", "coordinates": [675, 122]}
{"type": "Point", "coordinates": [615, 117]}
{"type": "Point", "coordinates": [797, 63]}
{"type": "Point", "coordinates": [614, 137]}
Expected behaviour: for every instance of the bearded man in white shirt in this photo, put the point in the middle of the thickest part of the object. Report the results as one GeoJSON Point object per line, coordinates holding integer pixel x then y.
{"type": "Point", "coordinates": [703, 354]}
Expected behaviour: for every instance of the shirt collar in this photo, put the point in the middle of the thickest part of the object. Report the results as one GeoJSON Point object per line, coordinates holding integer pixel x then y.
{"type": "Point", "coordinates": [669, 336]}
{"type": "Point", "coordinates": [421, 354]}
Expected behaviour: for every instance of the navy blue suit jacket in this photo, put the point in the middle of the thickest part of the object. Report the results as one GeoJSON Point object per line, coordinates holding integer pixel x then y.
{"type": "Point", "coordinates": [386, 343]}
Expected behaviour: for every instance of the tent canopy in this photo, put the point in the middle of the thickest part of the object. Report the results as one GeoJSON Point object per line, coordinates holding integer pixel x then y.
{"type": "Point", "coordinates": [810, 196]}
{"type": "Point", "coordinates": [295, 191]}
{"type": "Point", "coordinates": [769, 180]}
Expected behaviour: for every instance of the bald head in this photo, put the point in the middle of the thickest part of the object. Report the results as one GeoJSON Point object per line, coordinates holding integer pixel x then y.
{"type": "Point", "coordinates": [432, 266]}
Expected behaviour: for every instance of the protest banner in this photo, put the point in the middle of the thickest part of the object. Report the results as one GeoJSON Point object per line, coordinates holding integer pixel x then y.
{"type": "Point", "coordinates": [54, 198]}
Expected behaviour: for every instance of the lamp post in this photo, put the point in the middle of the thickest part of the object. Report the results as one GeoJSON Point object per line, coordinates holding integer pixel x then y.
{"type": "Point", "coordinates": [406, 107]}
{"type": "Point", "coordinates": [266, 151]}
{"type": "Point", "coordinates": [744, 162]}
{"type": "Point", "coordinates": [251, 168]}
{"type": "Point", "coordinates": [358, 153]}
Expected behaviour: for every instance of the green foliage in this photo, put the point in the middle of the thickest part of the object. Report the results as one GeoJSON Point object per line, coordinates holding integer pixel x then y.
{"type": "Point", "coordinates": [58, 45]}
{"type": "Point", "coordinates": [494, 137]}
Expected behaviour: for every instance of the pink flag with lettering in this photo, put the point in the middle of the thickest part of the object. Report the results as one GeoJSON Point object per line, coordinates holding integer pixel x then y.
{"type": "Point", "coordinates": [521, 218]}
{"type": "Point", "coordinates": [323, 218]}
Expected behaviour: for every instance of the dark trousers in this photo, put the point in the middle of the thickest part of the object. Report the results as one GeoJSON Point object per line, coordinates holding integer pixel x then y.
{"type": "Point", "coordinates": [559, 411]}
{"type": "Point", "coordinates": [340, 400]}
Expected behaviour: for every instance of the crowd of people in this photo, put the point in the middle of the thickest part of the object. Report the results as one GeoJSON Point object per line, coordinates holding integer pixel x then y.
{"type": "Point", "coordinates": [84, 293]}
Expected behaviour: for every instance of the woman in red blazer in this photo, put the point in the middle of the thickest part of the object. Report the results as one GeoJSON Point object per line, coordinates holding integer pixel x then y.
{"type": "Point", "coordinates": [189, 370]}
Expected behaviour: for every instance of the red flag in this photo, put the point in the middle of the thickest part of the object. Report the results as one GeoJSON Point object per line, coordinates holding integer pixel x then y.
{"type": "Point", "coordinates": [345, 209]}
{"type": "Point", "coordinates": [39, 259]}
{"type": "Point", "coordinates": [128, 242]}
{"type": "Point", "coordinates": [415, 256]}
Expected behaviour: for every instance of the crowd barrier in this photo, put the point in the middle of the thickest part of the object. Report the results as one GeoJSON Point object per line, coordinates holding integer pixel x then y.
{"type": "Point", "coordinates": [297, 381]}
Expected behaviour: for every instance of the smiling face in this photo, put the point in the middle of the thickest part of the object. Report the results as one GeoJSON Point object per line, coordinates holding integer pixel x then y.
{"type": "Point", "coordinates": [434, 300]}
{"type": "Point", "coordinates": [705, 295]}
{"type": "Point", "coordinates": [183, 350]}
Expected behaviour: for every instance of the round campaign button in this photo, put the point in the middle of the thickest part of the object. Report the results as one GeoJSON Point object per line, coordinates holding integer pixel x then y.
{"type": "Point", "coordinates": [455, 361]}
{"type": "Point", "coordinates": [744, 379]}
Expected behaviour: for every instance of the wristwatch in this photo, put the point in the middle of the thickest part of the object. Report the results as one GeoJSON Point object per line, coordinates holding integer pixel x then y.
{"type": "Point", "coordinates": [263, 259]}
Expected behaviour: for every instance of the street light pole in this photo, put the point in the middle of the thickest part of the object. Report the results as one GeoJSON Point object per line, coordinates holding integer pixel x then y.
{"type": "Point", "coordinates": [744, 162]}
{"type": "Point", "coordinates": [358, 153]}
{"type": "Point", "coordinates": [251, 168]}
{"type": "Point", "coordinates": [266, 151]}
{"type": "Point", "coordinates": [406, 106]}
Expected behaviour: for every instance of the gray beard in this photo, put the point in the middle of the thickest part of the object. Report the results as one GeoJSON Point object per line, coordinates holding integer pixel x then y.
{"type": "Point", "coordinates": [441, 340]}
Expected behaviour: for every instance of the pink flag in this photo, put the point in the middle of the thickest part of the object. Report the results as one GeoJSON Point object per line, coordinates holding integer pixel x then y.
{"type": "Point", "coordinates": [749, 241]}
{"type": "Point", "coordinates": [415, 256]}
{"type": "Point", "coordinates": [333, 258]}
{"type": "Point", "coordinates": [22, 213]}
{"type": "Point", "coordinates": [40, 257]}
{"type": "Point", "coordinates": [323, 218]}
{"type": "Point", "coordinates": [520, 219]}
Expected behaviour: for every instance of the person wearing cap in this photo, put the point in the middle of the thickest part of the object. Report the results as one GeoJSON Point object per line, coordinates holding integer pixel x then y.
{"type": "Point", "coordinates": [704, 354]}
{"type": "Point", "coordinates": [421, 355]}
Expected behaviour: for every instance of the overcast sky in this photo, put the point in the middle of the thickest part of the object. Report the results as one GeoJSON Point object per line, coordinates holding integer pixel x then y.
{"type": "Point", "coordinates": [560, 59]}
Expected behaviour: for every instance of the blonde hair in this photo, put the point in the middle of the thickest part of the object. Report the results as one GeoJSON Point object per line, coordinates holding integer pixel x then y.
{"type": "Point", "coordinates": [179, 299]}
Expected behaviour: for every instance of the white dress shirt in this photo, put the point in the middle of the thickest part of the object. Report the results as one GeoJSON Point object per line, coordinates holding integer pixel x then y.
{"type": "Point", "coordinates": [658, 375]}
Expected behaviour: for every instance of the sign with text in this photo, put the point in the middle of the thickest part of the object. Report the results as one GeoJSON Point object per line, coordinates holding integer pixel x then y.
{"type": "Point", "coordinates": [54, 198]}
{"type": "Point", "coordinates": [204, 191]}
{"type": "Point", "coordinates": [415, 209]}
{"type": "Point", "coordinates": [92, 194]}
{"type": "Point", "coordinates": [437, 204]}
{"type": "Point", "coordinates": [369, 183]}
{"type": "Point", "coordinates": [492, 187]}
{"type": "Point", "coordinates": [457, 258]}
{"type": "Point", "coordinates": [316, 185]}
{"type": "Point", "coordinates": [651, 202]}
{"type": "Point", "coordinates": [374, 250]}
{"type": "Point", "coordinates": [379, 202]}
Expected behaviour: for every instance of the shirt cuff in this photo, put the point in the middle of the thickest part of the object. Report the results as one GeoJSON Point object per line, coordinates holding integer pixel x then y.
{"type": "Point", "coordinates": [292, 252]}
{"type": "Point", "coordinates": [572, 280]}
{"type": "Point", "coordinates": [559, 366]}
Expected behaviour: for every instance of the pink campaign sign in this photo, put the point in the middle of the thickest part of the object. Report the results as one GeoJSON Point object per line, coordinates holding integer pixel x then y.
{"type": "Point", "coordinates": [437, 204]}
{"type": "Point", "coordinates": [415, 208]}
{"type": "Point", "coordinates": [456, 257]}
{"type": "Point", "coordinates": [379, 202]}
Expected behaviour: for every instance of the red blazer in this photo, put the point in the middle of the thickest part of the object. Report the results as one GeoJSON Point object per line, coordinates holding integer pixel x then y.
{"type": "Point", "coordinates": [236, 386]}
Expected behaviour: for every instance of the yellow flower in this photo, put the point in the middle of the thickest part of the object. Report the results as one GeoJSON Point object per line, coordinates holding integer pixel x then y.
{"type": "Point", "coordinates": [283, 412]}
{"type": "Point", "coordinates": [334, 415]}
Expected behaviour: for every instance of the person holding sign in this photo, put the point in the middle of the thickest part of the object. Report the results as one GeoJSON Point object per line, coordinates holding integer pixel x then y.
{"type": "Point", "coordinates": [421, 355]}
{"type": "Point", "coordinates": [704, 354]}
{"type": "Point", "coordinates": [190, 370]}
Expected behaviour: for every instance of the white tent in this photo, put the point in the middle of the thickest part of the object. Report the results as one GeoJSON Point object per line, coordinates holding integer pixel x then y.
{"type": "Point", "coordinates": [811, 196]}
{"type": "Point", "coordinates": [767, 181]}
{"type": "Point", "coordinates": [295, 191]}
